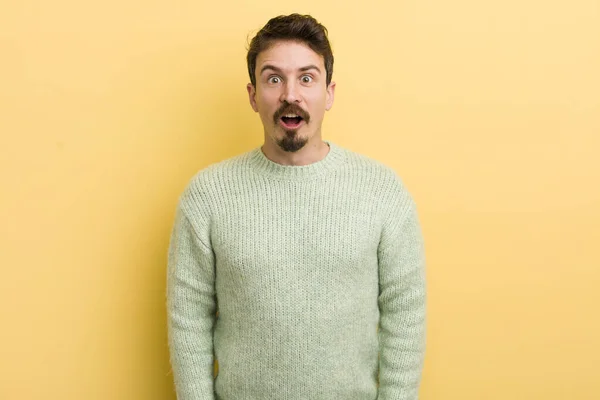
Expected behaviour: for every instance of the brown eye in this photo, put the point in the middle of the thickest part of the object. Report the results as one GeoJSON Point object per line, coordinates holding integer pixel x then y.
{"type": "Point", "coordinates": [306, 79]}
{"type": "Point", "coordinates": [274, 79]}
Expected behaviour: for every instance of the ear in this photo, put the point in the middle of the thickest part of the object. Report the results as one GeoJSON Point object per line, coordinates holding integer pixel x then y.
{"type": "Point", "coordinates": [252, 96]}
{"type": "Point", "coordinates": [330, 96]}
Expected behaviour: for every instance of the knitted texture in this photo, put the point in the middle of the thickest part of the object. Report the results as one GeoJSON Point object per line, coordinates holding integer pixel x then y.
{"type": "Point", "coordinates": [304, 282]}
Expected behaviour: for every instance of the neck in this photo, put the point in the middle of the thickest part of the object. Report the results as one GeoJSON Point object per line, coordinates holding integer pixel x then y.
{"type": "Point", "coordinates": [313, 151]}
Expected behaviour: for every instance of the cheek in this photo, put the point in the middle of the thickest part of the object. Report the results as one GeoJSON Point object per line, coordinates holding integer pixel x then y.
{"type": "Point", "coordinates": [264, 115]}
{"type": "Point", "coordinates": [317, 98]}
{"type": "Point", "coordinates": [266, 112]}
{"type": "Point", "coordinates": [317, 106]}
{"type": "Point", "coordinates": [266, 102]}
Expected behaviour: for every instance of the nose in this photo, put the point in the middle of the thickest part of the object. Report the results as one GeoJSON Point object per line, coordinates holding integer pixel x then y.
{"type": "Point", "coordinates": [290, 93]}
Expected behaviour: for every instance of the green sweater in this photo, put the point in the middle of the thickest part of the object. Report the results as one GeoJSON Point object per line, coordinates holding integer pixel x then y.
{"type": "Point", "coordinates": [303, 282]}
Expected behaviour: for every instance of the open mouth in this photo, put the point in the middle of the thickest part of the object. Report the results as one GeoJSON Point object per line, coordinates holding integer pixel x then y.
{"type": "Point", "coordinates": [291, 121]}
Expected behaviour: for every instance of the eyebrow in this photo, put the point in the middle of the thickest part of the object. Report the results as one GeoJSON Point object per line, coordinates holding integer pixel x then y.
{"type": "Point", "coordinates": [302, 69]}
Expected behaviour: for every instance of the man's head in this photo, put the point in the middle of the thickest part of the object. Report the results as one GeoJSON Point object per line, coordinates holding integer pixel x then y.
{"type": "Point", "coordinates": [290, 64]}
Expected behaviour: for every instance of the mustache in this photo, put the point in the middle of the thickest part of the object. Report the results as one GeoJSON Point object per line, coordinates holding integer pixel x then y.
{"type": "Point", "coordinates": [287, 108]}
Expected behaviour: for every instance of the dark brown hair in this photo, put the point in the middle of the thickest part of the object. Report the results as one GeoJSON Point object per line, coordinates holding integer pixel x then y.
{"type": "Point", "coordinates": [294, 27]}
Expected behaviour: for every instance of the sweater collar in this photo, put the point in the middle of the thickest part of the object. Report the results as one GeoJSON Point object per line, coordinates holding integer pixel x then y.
{"type": "Point", "coordinates": [264, 166]}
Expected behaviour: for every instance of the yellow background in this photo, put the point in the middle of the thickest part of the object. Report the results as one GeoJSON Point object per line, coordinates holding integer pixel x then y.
{"type": "Point", "coordinates": [490, 111]}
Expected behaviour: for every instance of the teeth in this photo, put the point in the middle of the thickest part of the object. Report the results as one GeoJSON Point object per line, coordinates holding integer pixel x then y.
{"type": "Point", "coordinates": [291, 115]}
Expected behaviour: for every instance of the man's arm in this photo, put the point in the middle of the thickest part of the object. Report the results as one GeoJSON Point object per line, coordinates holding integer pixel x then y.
{"type": "Point", "coordinates": [191, 311]}
{"type": "Point", "coordinates": [401, 302]}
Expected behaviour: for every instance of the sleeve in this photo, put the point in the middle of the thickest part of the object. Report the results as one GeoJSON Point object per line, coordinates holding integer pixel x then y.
{"type": "Point", "coordinates": [191, 309]}
{"type": "Point", "coordinates": [402, 301]}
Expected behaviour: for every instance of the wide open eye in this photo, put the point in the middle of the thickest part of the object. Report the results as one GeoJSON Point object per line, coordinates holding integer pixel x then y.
{"type": "Point", "coordinates": [274, 79]}
{"type": "Point", "coordinates": [306, 79]}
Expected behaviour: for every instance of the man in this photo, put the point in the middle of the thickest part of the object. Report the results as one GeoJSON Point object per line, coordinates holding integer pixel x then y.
{"type": "Point", "coordinates": [299, 265]}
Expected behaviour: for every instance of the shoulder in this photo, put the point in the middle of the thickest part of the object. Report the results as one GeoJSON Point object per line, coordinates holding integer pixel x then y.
{"type": "Point", "coordinates": [383, 183]}
{"type": "Point", "coordinates": [374, 171]}
{"type": "Point", "coordinates": [224, 169]}
{"type": "Point", "coordinates": [206, 186]}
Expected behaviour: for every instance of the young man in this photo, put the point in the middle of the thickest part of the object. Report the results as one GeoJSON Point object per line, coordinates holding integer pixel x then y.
{"type": "Point", "coordinates": [299, 265]}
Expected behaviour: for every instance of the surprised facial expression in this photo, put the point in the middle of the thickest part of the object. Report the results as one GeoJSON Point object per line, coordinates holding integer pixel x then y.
{"type": "Point", "coordinates": [291, 94]}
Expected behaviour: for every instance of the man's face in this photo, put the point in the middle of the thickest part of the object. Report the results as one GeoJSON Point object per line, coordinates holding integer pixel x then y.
{"type": "Point", "coordinates": [291, 94]}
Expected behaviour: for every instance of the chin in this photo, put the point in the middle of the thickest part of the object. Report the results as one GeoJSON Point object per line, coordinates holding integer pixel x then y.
{"type": "Point", "coordinates": [291, 141]}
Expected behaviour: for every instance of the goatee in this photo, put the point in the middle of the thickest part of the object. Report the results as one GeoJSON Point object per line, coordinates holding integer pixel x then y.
{"type": "Point", "coordinates": [291, 142]}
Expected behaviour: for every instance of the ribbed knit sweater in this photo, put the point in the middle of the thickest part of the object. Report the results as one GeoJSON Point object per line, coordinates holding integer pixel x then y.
{"type": "Point", "coordinates": [303, 282]}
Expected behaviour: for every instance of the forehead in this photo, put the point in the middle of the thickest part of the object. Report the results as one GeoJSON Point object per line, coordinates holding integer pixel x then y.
{"type": "Point", "coordinates": [288, 55]}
